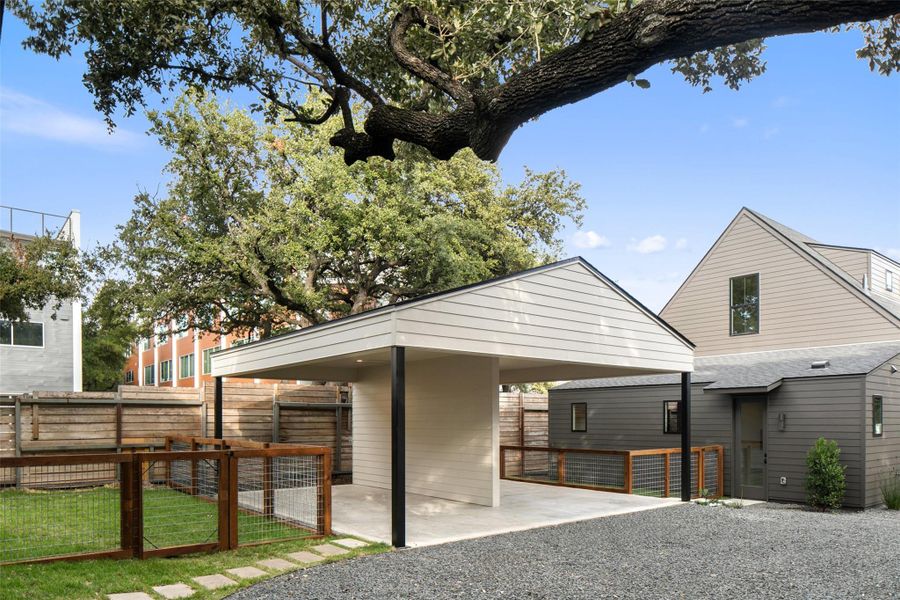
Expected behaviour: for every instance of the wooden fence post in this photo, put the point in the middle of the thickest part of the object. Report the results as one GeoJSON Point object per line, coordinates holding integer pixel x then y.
{"type": "Point", "coordinates": [224, 501]}
{"type": "Point", "coordinates": [502, 462]}
{"type": "Point", "coordinates": [268, 492]}
{"type": "Point", "coordinates": [276, 421]}
{"type": "Point", "coordinates": [137, 500]}
{"type": "Point", "coordinates": [325, 528]}
{"type": "Point", "coordinates": [126, 505]}
{"type": "Point", "coordinates": [195, 488]}
{"type": "Point", "coordinates": [629, 480]}
{"type": "Point", "coordinates": [17, 438]}
{"type": "Point", "coordinates": [700, 478]}
{"type": "Point", "coordinates": [232, 501]}
{"type": "Point", "coordinates": [721, 474]}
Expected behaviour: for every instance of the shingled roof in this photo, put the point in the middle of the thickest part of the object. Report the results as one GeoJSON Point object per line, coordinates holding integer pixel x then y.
{"type": "Point", "coordinates": [763, 371]}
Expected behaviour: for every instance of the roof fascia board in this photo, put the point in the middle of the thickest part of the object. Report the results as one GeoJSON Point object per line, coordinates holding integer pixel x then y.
{"type": "Point", "coordinates": [815, 261]}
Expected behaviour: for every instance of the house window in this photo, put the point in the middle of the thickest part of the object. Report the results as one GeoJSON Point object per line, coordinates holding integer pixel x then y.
{"type": "Point", "coordinates": [165, 371]}
{"type": "Point", "coordinates": [129, 376]}
{"type": "Point", "coordinates": [186, 365]}
{"type": "Point", "coordinates": [207, 359]}
{"type": "Point", "coordinates": [889, 281]}
{"type": "Point", "coordinates": [877, 416]}
{"type": "Point", "coordinates": [670, 417]}
{"type": "Point", "coordinates": [145, 344]}
{"type": "Point", "coordinates": [22, 333]}
{"type": "Point", "coordinates": [149, 375]}
{"type": "Point", "coordinates": [162, 336]}
{"type": "Point", "coordinates": [745, 304]}
{"type": "Point", "coordinates": [579, 416]}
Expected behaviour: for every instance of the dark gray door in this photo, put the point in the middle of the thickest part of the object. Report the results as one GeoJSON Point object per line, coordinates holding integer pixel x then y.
{"type": "Point", "coordinates": [750, 447]}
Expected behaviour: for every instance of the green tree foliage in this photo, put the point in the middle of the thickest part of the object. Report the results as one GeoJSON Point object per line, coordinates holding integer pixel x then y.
{"type": "Point", "coordinates": [108, 330]}
{"type": "Point", "coordinates": [264, 226]}
{"type": "Point", "coordinates": [825, 481]}
{"type": "Point", "coordinates": [444, 75]}
{"type": "Point", "coordinates": [36, 272]}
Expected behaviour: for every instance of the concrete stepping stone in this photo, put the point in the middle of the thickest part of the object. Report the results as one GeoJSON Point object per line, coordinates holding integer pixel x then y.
{"type": "Point", "coordinates": [130, 596]}
{"type": "Point", "coordinates": [276, 564]}
{"type": "Point", "coordinates": [350, 543]}
{"type": "Point", "coordinates": [246, 572]}
{"type": "Point", "coordinates": [305, 557]}
{"type": "Point", "coordinates": [329, 550]}
{"type": "Point", "coordinates": [176, 590]}
{"type": "Point", "coordinates": [214, 582]}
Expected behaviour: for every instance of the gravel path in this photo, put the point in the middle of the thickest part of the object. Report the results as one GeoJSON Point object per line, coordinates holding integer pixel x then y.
{"type": "Point", "coordinates": [685, 551]}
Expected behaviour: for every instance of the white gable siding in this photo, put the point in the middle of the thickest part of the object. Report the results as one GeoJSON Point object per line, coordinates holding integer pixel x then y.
{"type": "Point", "coordinates": [879, 267]}
{"type": "Point", "coordinates": [565, 313]}
{"type": "Point", "coordinates": [328, 341]}
{"type": "Point", "coordinates": [800, 305]}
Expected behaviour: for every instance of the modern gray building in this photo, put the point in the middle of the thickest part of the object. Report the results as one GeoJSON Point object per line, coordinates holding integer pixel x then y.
{"type": "Point", "coordinates": [44, 352]}
{"type": "Point", "coordinates": [795, 340]}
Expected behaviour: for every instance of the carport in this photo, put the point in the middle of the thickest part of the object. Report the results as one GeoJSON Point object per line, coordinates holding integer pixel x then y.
{"type": "Point", "coordinates": [426, 372]}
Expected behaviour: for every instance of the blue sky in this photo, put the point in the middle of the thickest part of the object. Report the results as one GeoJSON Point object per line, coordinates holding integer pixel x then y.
{"type": "Point", "coordinates": [813, 143]}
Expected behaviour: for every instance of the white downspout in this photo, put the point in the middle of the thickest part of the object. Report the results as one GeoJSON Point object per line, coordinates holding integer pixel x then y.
{"type": "Point", "coordinates": [75, 237]}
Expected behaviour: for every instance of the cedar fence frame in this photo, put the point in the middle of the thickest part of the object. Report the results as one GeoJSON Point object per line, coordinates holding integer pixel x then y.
{"type": "Point", "coordinates": [228, 455]}
{"type": "Point", "coordinates": [628, 460]}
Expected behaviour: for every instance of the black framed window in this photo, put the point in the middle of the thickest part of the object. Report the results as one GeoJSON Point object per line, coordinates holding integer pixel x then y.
{"type": "Point", "coordinates": [579, 416]}
{"type": "Point", "coordinates": [877, 416]}
{"type": "Point", "coordinates": [671, 422]}
{"type": "Point", "coordinates": [744, 304]}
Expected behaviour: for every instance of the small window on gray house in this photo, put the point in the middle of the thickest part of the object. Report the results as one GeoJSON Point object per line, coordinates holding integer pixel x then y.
{"type": "Point", "coordinates": [745, 304]}
{"type": "Point", "coordinates": [22, 333]}
{"type": "Point", "coordinates": [889, 281]}
{"type": "Point", "coordinates": [579, 416]}
{"type": "Point", "coordinates": [670, 417]}
{"type": "Point", "coordinates": [877, 415]}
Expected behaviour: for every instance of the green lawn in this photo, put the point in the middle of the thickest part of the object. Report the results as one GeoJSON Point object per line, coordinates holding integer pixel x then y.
{"type": "Point", "coordinates": [96, 578]}
{"type": "Point", "coordinates": [34, 524]}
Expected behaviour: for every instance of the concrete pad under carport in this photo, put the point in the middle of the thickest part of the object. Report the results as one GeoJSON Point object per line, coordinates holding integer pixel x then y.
{"type": "Point", "coordinates": [364, 511]}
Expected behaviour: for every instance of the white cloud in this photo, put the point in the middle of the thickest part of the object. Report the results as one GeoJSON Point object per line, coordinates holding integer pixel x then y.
{"type": "Point", "coordinates": [649, 245]}
{"type": "Point", "coordinates": [771, 132]}
{"type": "Point", "coordinates": [590, 239]}
{"type": "Point", "coordinates": [26, 115]}
{"type": "Point", "coordinates": [681, 244]}
{"type": "Point", "coordinates": [740, 122]}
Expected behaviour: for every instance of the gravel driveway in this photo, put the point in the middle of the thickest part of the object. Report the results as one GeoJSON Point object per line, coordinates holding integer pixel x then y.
{"type": "Point", "coordinates": [685, 551]}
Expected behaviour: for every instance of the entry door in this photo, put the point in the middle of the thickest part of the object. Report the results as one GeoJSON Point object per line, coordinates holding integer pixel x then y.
{"type": "Point", "coordinates": [750, 448]}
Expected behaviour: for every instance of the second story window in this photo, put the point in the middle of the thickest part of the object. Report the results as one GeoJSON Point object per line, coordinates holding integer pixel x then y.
{"type": "Point", "coordinates": [165, 370]}
{"type": "Point", "coordinates": [745, 304]}
{"type": "Point", "coordinates": [207, 360]}
{"type": "Point", "coordinates": [889, 281]}
{"type": "Point", "coordinates": [149, 375]}
{"type": "Point", "coordinates": [145, 344]}
{"type": "Point", "coordinates": [129, 376]}
{"type": "Point", "coordinates": [186, 366]}
{"type": "Point", "coordinates": [22, 333]}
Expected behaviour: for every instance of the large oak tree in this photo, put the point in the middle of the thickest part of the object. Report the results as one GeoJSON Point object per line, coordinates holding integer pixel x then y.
{"type": "Point", "coordinates": [441, 74]}
{"type": "Point", "coordinates": [263, 226]}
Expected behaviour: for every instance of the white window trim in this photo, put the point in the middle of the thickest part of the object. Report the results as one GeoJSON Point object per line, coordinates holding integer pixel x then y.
{"type": "Point", "coordinates": [191, 362]}
{"type": "Point", "coordinates": [152, 368]}
{"type": "Point", "coordinates": [12, 337]}
{"type": "Point", "coordinates": [889, 281]}
{"type": "Point", "coordinates": [171, 373]}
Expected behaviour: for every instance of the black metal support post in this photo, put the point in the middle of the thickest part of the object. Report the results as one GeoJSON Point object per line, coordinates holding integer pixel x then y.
{"type": "Point", "coordinates": [398, 446]}
{"type": "Point", "coordinates": [217, 409]}
{"type": "Point", "coordinates": [684, 421]}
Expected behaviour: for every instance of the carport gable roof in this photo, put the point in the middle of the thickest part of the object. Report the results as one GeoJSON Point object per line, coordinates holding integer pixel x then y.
{"type": "Point", "coordinates": [506, 316]}
{"type": "Point", "coordinates": [762, 371]}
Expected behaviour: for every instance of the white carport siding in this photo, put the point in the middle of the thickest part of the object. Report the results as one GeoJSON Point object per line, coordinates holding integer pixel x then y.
{"type": "Point", "coordinates": [426, 372]}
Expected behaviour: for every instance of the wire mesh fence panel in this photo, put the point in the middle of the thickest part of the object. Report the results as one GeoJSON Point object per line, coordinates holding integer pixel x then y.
{"type": "Point", "coordinates": [540, 465]}
{"type": "Point", "coordinates": [59, 510]}
{"type": "Point", "coordinates": [648, 475]}
{"type": "Point", "coordinates": [279, 497]}
{"type": "Point", "coordinates": [592, 469]}
{"type": "Point", "coordinates": [512, 463]}
{"type": "Point", "coordinates": [711, 473]}
{"type": "Point", "coordinates": [176, 513]}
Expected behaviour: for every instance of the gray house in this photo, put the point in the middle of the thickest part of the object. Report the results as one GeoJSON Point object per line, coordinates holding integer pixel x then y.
{"type": "Point", "coordinates": [795, 340]}
{"type": "Point", "coordinates": [44, 352]}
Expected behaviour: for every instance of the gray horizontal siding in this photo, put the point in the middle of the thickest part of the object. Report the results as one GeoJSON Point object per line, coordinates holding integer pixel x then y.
{"type": "Point", "coordinates": [882, 453]}
{"type": "Point", "coordinates": [28, 369]}
{"type": "Point", "coordinates": [632, 419]}
{"type": "Point", "coordinates": [817, 407]}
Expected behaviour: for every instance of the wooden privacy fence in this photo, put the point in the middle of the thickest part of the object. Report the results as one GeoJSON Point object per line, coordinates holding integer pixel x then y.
{"type": "Point", "coordinates": [140, 418]}
{"type": "Point", "coordinates": [216, 495]}
{"type": "Point", "coordinates": [655, 472]}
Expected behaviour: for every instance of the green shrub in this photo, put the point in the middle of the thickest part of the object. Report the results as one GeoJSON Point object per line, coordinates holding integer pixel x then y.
{"type": "Point", "coordinates": [825, 481]}
{"type": "Point", "coordinates": [890, 491]}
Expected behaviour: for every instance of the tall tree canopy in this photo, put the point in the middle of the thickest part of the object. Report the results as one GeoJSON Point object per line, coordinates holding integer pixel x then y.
{"type": "Point", "coordinates": [108, 331]}
{"type": "Point", "coordinates": [444, 75]}
{"type": "Point", "coordinates": [36, 272]}
{"type": "Point", "coordinates": [264, 226]}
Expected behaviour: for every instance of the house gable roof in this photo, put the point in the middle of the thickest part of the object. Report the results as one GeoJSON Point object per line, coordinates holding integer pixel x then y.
{"type": "Point", "coordinates": [762, 371]}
